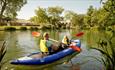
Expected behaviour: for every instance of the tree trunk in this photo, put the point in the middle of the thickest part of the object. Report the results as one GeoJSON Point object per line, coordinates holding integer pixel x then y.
{"type": "Point", "coordinates": [2, 10]}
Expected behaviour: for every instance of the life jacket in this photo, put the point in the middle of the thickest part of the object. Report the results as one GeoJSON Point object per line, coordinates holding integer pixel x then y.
{"type": "Point", "coordinates": [65, 40]}
{"type": "Point", "coordinates": [43, 47]}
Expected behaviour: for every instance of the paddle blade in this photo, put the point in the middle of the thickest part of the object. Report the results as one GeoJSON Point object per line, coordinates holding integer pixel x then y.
{"type": "Point", "coordinates": [79, 34]}
{"type": "Point", "coordinates": [36, 34]}
{"type": "Point", "coordinates": [76, 48]}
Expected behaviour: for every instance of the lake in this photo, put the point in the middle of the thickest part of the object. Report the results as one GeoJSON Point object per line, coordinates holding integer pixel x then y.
{"type": "Point", "coordinates": [21, 43]}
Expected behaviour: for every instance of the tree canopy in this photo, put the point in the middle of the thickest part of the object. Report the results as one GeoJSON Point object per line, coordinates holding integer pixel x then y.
{"type": "Point", "coordinates": [50, 15]}
{"type": "Point", "coordinates": [9, 8]}
{"type": "Point", "coordinates": [101, 17]}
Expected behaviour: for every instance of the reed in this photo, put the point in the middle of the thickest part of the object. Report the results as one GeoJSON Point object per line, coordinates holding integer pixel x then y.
{"type": "Point", "coordinates": [2, 53]}
{"type": "Point", "coordinates": [106, 47]}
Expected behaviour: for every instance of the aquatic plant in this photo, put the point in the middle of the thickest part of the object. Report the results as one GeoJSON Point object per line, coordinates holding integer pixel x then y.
{"type": "Point", "coordinates": [106, 47]}
{"type": "Point", "coordinates": [2, 52]}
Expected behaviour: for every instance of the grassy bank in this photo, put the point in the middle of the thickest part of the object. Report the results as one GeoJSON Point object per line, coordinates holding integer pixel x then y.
{"type": "Point", "coordinates": [19, 27]}
{"type": "Point", "coordinates": [28, 27]}
{"type": "Point", "coordinates": [49, 27]}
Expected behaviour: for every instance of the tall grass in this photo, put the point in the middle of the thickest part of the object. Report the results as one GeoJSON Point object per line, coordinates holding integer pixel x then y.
{"type": "Point", "coordinates": [106, 46]}
{"type": "Point", "coordinates": [2, 53]}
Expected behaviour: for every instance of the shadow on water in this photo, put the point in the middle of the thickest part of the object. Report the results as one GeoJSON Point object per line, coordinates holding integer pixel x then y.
{"type": "Point", "coordinates": [22, 43]}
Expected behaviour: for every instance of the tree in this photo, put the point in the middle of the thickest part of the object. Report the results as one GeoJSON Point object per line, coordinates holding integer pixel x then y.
{"type": "Point", "coordinates": [51, 15]}
{"type": "Point", "coordinates": [34, 19]}
{"type": "Point", "coordinates": [41, 16]}
{"type": "Point", "coordinates": [109, 7]}
{"type": "Point", "coordinates": [88, 17]}
{"type": "Point", "coordinates": [69, 15]}
{"type": "Point", "coordinates": [55, 11]}
{"type": "Point", "coordinates": [74, 17]}
{"type": "Point", "coordinates": [10, 7]}
{"type": "Point", "coordinates": [54, 14]}
{"type": "Point", "coordinates": [106, 43]}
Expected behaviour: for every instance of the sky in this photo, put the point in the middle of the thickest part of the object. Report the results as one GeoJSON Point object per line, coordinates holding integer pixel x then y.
{"type": "Point", "coordinates": [78, 6]}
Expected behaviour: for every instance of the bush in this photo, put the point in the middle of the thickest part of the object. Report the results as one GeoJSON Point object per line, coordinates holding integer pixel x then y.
{"type": "Point", "coordinates": [10, 28]}
{"type": "Point", "coordinates": [33, 28]}
{"type": "Point", "coordinates": [101, 28]}
{"type": "Point", "coordinates": [23, 28]}
{"type": "Point", "coordinates": [106, 47]}
{"type": "Point", "coordinates": [46, 27]}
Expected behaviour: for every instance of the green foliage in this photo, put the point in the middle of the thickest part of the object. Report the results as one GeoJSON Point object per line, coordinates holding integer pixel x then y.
{"type": "Point", "coordinates": [51, 15]}
{"type": "Point", "coordinates": [54, 15]}
{"type": "Point", "coordinates": [2, 53]}
{"type": "Point", "coordinates": [90, 10]}
{"type": "Point", "coordinates": [100, 18]}
{"type": "Point", "coordinates": [107, 14]}
{"type": "Point", "coordinates": [89, 17]}
{"type": "Point", "coordinates": [55, 11]}
{"type": "Point", "coordinates": [109, 7]}
{"type": "Point", "coordinates": [34, 19]}
{"type": "Point", "coordinates": [23, 28]}
{"type": "Point", "coordinates": [106, 47]}
{"type": "Point", "coordinates": [74, 17]}
{"type": "Point", "coordinates": [10, 28]}
{"type": "Point", "coordinates": [41, 15]}
{"type": "Point", "coordinates": [103, 17]}
{"type": "Point", "coordinates": [9, 8]}
{"type": "Point", "coordinates": [33, 28]}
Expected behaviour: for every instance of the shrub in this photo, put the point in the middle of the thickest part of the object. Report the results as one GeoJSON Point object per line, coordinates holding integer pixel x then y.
{"type": "Point", "coordinates": [106, 47]}
{"type": "Point", "coordinates": [10, 28]}
{"type": "Point", "coordinates": [33, 28]}
{"type": "Point", "coordinates": [23, 28]}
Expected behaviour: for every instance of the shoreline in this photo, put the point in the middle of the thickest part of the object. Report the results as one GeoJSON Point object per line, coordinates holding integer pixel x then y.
{"type": "Point", "coordinates": [2, 28]}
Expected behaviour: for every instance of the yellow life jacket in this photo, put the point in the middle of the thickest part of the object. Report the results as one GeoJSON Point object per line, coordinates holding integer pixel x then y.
{"type": "Point", "coordinates": [64, 40]}
{"type": "Point", "coordinates": [43, 46]}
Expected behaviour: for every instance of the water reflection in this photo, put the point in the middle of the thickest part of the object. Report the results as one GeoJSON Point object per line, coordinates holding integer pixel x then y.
{"type": "Point", "coordinates": [21, 43]}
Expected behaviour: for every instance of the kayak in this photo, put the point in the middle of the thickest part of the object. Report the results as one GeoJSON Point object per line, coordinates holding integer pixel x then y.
{"type": "Point", "coordinates": [65, 54]}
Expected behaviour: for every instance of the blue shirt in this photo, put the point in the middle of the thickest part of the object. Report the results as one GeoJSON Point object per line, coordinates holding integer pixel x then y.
{"type": "Point", "coordinates": [48, 43]}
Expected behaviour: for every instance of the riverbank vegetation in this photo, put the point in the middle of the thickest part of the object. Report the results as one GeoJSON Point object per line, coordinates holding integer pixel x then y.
{"type": "Point", "coordinates": [8, 12]}
{"type": "Point", "coordinates": [106, 44]}
{"type": "Point", "coordinates": [106, 47]}
{"type": "Point", "coordinates": [9, 8]}
{"type": "Point", "coordinates": [102, 19]}
{"type": "Point", "coordinates": [58, 18]}
{"type": "Point", "coordinates": [2, 53]}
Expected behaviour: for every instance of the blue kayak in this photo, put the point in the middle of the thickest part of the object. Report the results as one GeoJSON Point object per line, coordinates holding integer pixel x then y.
{"type": "Point", "coordinates": [28, 60]}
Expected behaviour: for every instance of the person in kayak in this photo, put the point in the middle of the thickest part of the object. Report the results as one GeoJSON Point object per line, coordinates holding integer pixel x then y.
{"type": "Point", "coordinates": [65, 42]}
{"type": "Point", "coordinates": [46, 45]}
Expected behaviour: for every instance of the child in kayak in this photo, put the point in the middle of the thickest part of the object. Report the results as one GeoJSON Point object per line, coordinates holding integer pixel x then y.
{"type": "Point", "coordinates": [65, 42]}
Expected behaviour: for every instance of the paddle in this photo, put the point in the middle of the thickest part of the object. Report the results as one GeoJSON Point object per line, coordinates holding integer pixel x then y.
{"type": "Point", "coordinates": [79, 34]}
{"type": "Point", "coordinates": [37, 34]}
{"type": "Point", "coordinates": [76, 48]}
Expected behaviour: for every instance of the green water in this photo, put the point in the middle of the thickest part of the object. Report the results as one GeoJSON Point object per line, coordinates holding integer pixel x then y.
{"type": "Point", "coordinates": [21, 43]}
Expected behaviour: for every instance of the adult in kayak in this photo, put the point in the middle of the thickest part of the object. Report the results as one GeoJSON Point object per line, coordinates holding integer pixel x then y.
{"type": "Point", "coordinates": [46, 45]}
